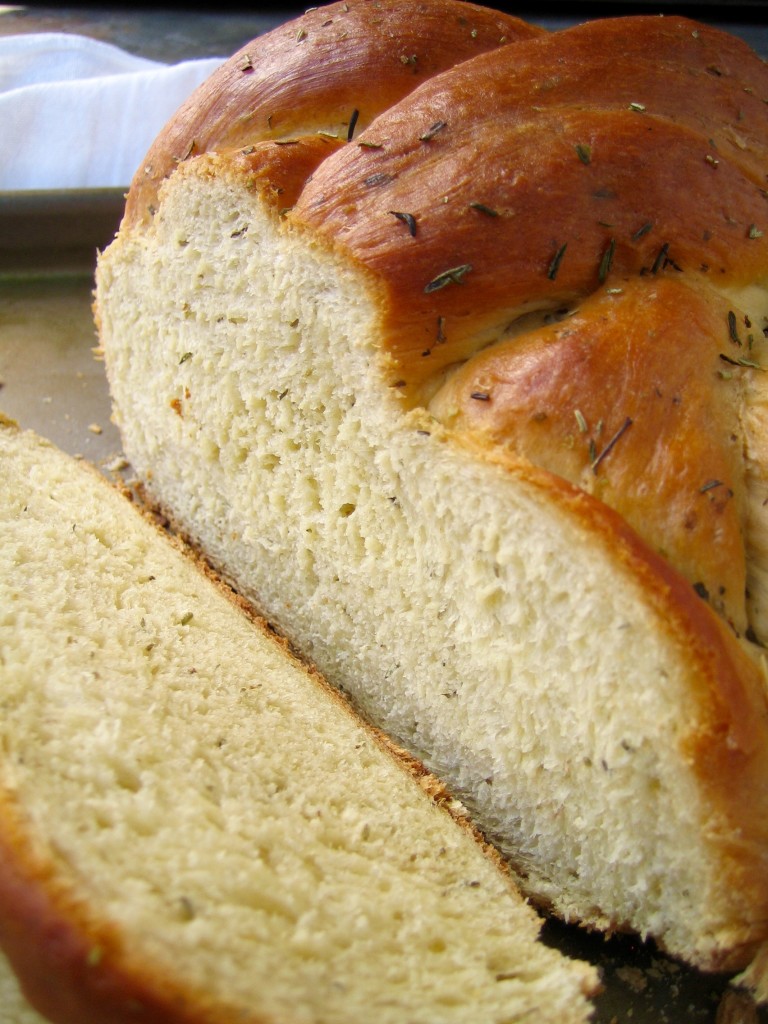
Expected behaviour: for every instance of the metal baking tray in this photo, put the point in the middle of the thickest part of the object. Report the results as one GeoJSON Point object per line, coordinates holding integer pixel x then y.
{"type": "Point", "coordinates": [51, 380]}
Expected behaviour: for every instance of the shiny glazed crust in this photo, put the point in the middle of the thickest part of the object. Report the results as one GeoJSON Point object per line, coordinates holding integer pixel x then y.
{"type": "Point", "coordinates": [332, 71]}
{"type": "Point", "coordinates": [535, 137]}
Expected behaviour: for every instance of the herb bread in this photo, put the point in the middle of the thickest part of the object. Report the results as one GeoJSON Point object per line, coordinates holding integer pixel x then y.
{"type": "Point", "coordinates": [465, 395]}
{"type": "Point", "coordinates": [198, 829]}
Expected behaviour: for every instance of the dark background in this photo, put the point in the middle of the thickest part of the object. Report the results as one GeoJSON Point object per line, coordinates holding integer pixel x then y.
{"type": "Point", "coordinates": [172, 32]}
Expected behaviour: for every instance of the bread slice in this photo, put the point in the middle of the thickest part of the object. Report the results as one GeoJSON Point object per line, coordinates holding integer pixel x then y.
{"type": "Point", "coordinates": [477, 421]}
{"type": "Point", "coordinates": [195, 828]}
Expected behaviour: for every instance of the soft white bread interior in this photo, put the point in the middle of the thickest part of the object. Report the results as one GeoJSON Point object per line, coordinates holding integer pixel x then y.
{"type": "Point", "coordinates": [195, 828]}
{"type": "Point", "coordinates": [479, 424]}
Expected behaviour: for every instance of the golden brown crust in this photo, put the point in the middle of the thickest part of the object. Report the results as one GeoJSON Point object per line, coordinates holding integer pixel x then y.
{"type": "Point", "coordinates": [536, 204]}
{"type": "Point", "coordinates": [281, 169]}
{"type": "Point", "coordinates": [70, 968]}
{"type": "Point", "coordinates": [312, 73]}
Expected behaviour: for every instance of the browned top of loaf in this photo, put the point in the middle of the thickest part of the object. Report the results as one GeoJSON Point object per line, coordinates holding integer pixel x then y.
{"type": "Point", "coordinates": [653, 157]}
{"type": "Point", "coordinates": [312, 73]}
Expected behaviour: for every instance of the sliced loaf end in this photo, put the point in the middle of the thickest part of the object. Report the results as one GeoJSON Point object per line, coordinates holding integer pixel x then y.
{"type": "Point", "coordinates": [195, 827]}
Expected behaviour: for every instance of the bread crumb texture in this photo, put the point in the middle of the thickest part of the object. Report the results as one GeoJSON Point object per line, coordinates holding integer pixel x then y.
{"type": "Point", "coordinates": [189, 807]}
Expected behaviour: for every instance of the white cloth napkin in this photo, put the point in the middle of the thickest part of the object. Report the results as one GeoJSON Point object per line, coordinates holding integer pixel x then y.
{"type": "Point", "coordinates": [79, 113]}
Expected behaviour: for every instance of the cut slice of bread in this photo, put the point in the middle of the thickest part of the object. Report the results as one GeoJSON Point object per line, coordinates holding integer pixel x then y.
{"type": "Point", "coordinates": [195, 828]}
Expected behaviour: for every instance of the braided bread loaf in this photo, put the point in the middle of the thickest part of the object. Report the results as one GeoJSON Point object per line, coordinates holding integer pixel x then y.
{"type": "Point", "coordinates": [470, 400]}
